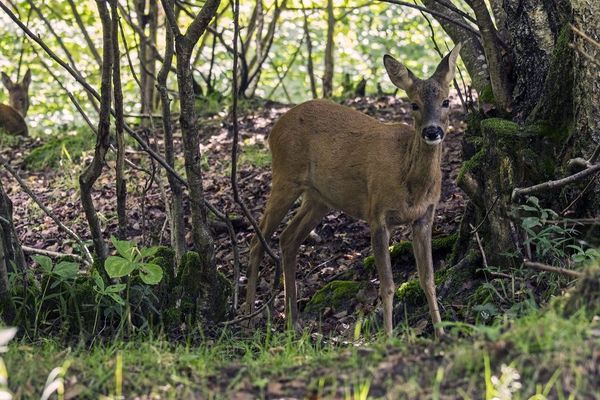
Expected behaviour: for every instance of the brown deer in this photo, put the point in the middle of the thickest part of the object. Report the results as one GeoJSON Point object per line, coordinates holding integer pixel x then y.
{"type": "Point", "coordinates": [386, 174]}
{"type": "Point", "coordinates": [12, 117]}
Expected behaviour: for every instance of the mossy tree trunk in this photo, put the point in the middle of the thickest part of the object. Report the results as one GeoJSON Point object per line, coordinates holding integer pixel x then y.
{"type": "Point", "coordinates": [11, 256]}
{"type": "Point", "coordinates": [554, 116]}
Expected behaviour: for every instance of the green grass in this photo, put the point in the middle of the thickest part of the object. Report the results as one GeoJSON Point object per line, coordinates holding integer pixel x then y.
{"type": "Point", "coordinates": [552, 354]}
{"type": "Point", "coordinates": [254, 155]}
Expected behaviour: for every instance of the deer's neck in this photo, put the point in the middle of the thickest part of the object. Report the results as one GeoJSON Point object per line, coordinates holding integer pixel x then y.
{"type": "Point", "coordinates": [424, 169]}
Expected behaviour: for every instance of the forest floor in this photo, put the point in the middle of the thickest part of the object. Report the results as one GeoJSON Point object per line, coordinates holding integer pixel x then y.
{"type": "Point", "coordinates": [340, 355]}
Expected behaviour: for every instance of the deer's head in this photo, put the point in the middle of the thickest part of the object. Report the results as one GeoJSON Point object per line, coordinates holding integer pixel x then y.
{"type": "Point", "coordinates": [18, 96]}
{"type": "Point", "coordinates": [429, 97]}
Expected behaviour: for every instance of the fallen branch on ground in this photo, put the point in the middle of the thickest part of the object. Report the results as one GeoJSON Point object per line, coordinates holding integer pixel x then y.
{"type": "Point", "coordinates": [550, 268]}
{"type": "Point", "coordinates": [88, 257]}
{"type": "Point", "coordinates": [49, 253]}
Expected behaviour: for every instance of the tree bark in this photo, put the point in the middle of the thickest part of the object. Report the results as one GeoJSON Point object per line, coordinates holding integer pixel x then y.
{"type": "Point", "coordinates": [586, 91]}
{"type": "Point", "coordinates": [177, 215]}
{"type": "Point", "coordinates": [329, 49]}
{"type": "Point", "coordinates": [11, 256]}
{"type": "Point", "coordinates": [118, 97]}
{"type": "Point", "coordinates": [93, 171]}
{"type": "Point", "coordinates": [147, 15]}
{"type": "Point", "coordinates": [184, 45]}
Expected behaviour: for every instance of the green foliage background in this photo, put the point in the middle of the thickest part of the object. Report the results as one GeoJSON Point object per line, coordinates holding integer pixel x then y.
{"type": "Point", "coordinates": [364, 33]}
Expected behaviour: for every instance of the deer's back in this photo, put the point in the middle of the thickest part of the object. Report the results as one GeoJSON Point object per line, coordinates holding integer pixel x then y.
{"type": "Point", "coordinates": [11, 121]}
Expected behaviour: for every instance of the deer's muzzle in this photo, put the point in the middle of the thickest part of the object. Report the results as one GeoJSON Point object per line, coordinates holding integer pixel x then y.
{"type": "Point", "coordinates": [432, 134]}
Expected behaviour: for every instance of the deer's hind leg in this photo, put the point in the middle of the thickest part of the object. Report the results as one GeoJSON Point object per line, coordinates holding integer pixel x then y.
{"type": "Point", "coordinates": [283, 194]}
{"type": "Point", "coordinates": [308, 216]}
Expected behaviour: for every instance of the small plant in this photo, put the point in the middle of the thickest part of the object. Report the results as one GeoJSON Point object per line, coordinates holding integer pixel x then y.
{"type": "Point", "coordinates": [58, 285]}
{"type": "Point", "coordinates": [554, 240]}
{"type": "Point", "coordinates": [131, 262]}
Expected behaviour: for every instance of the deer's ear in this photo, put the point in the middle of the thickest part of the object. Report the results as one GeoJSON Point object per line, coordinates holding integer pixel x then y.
{"type": "Point", "coordinates": [27, 78]}
{"type": "Point", "coordinates": [6, 81]}
{"type": "Point", "coordinates": [444, 73]}
{"type": "Point", "coordinates": [398, 73]}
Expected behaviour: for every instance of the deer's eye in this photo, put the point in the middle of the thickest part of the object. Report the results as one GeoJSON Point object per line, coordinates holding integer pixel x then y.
{"type": "Point", "coordinates": [415, 106]}
{"type": "Point", "coordinates": [446, 103]}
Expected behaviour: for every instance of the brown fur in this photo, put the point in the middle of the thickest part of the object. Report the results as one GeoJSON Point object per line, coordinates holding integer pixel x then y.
{"type": "Point", "coordinates": [12, 117]}
{"type": "Point", "coordinates": [386, 174]}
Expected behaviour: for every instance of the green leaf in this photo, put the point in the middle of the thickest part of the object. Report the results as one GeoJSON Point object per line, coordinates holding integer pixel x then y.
{"type": "Point", "coordinates": [147, 252]}
{"type": "Point", "coordinates": [125, 248]}
{"type": "Point", "coordinates": [116, 288]}
{"type": "Point", "coordinates": [66, 269]}
{"type": "Point", "coordinates": [118, 299]}
{"type": "Point", "coordinates": [530, 222]}
{"type": "Point", "coordinates": [99, 281]}
{"type": "Point", "coordinates": [117, 267]}
{"type": "Point", "coordinates": [45, 262]}
{"type": "Point", "coordinates": [534, 200]}
{"type": "Point", "coordinates": [151, 274]}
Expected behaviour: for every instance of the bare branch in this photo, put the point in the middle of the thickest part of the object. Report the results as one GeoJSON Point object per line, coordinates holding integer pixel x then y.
{"type": "Point", "coordinates": [46, 210]}
{"type": "Point", "coordinates": [551, 185]}
{"type": "Point", "coordinates": [550, 268]}
{"type": "Point", "coordinates": [434, 13]}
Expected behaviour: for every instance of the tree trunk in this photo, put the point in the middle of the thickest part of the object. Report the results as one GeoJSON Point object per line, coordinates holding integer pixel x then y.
{"type": "Point", "coordinates": [556, 103]}
{"type": "Point", "coordinates": [93, 171]}
{"type": "Point", "coordinates": [11, 256]}
{"type": "Point", "coordinates": [329, 48]}
{"type": "Point", "coordinates": [586, 94]}
{"type": "Point", "coordinates": [148, 19]}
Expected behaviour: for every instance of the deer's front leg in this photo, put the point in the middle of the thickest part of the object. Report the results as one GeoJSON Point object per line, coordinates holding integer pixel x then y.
{"type": "Point", "coordinates": [380, 241]}
{"type": "Point", "coordinates": [422, 250]}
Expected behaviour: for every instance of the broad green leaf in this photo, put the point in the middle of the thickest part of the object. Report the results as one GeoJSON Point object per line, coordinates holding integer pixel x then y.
{"type": "Point", "coordinates": [66, 269]}
{"type": "Point", "coordinates": [45, 262]}
{"type": "Point", "coordinates": [151, 274]}
{"type": "Point", "coordinates": [125, 248]}
{"type": "Point", "coordinates": [117, 267]}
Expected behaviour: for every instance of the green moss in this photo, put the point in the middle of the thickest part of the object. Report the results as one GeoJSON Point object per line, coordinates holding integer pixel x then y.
{"type": "Point", "coordinates": [204, 293]}
{"type": "Point", "coordinates": [499, 126]}
{"type": "Point", "coordinates": [165, 257]}
{"type": "Point", "coordinates": [404, 248]}
{"type": "Point", "coordinates": [553, 115]}
{"type": "Point", "coordinates": [487, 95]}
{"type": "Point", "coordinates": [410, 292]}
{"type": "Point", "coordinates": [334, 295]}
{"type": "Point", "coordinates": [470, 165]}
{"type": "Point", "coordinates": [50, 154]}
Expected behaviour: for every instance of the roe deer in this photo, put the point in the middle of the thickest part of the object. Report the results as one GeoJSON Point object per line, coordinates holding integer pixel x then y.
{"type": "Point", "coordinates": [12, 117]}
{"type": "Point", "coordinates": [386, 174]}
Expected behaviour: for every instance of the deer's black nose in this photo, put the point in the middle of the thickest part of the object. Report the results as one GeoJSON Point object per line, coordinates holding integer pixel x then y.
{"type": "Point", "coordinates": [432, 134]}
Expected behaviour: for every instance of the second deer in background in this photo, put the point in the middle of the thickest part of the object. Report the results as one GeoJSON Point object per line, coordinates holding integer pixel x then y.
{"type": "Point", "coordinates": [12, 115]}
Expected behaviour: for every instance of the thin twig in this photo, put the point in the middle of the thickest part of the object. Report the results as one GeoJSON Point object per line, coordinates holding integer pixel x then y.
{"type": "Point", "coordinates": [33, 196]}
{"type": "Point", "coordinates": [33, 250]}
{"type": "Point", "coordinates": [234, 154]}
{"type": "Point", "coordinates": [436, 14]}
{"type": "Point", "coordinates": [550, 268]}
{"type": "Point", "coordinates": [473, 230]}
{"type": "Point", "coordinates": [258, 311]}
